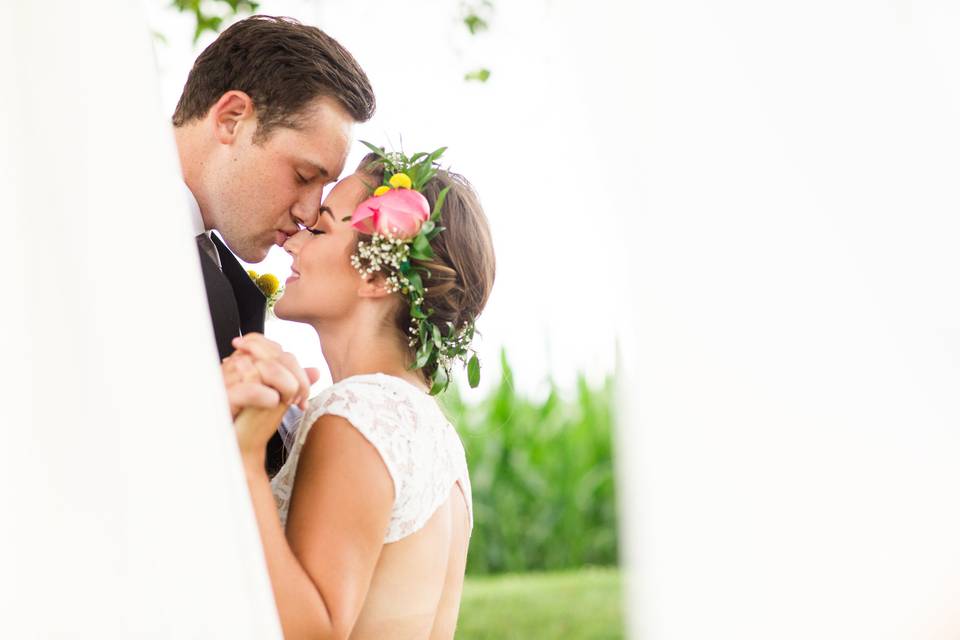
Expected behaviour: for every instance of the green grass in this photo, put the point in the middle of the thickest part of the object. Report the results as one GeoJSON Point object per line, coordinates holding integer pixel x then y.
{"type": "Point", "coordinates": [572, 605]}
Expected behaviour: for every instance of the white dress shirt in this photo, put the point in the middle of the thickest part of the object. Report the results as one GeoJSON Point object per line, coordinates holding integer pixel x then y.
{"type": "Point", "coordinates": [196, 219]}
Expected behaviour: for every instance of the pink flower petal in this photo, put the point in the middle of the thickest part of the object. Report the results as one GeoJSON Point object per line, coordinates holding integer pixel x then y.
{"type": "Point", "coordinates": [364, 219]}
{"type": "Point", "coordinates": [402, 212]}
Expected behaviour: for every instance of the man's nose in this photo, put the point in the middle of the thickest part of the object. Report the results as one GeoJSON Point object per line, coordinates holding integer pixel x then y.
{"type": "Point", "coordinates": [307, 209]}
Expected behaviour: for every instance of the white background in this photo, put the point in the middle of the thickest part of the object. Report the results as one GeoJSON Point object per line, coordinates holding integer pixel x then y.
{"type": "Point", "coordinates": [793, 391]}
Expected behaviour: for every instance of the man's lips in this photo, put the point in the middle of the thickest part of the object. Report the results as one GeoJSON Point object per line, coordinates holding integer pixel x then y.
{"type": "Point", "coordinates": [279, 238]}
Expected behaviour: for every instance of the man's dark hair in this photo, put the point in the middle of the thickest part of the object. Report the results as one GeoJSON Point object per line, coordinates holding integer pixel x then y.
{"type": "Point", "coordinates": [283, 66]}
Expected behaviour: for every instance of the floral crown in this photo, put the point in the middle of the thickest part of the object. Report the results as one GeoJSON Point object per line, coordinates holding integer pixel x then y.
{"type": "Point", "coordinates": [398, 219]}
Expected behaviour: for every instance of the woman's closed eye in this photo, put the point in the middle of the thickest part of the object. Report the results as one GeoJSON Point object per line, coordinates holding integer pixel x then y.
{"type": "Point", "coordinates": [312, 230]}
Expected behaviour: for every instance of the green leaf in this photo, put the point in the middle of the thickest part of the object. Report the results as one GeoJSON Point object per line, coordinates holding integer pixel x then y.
{"type": "Point", "coordinates": [415, 281]}
{"type": "Point", "coordinates": [438, 205]}
{"type": "Point", "coordinates": [423, 355]}
{"type": "Point", "coordinates": [475, 24]}
{"type": "Point", "coordinates": [427, 227]}
{"type": "Point", "coordinates": [437, 338]}
{"type": "Point", "coordinates": [377, 150]}
{"type": "Point", "coordinates": [473, 371]}
{"type": "Point", "coordinates": [440, 381]}
{"type": "Point", "coordinates": [417, 312]}
{"type": "Point", "coordinates": [433, 157]}
{"type": "Point", "coordinates": [480, 75]}
{"type": "Point", "coordinates": [421, 249]}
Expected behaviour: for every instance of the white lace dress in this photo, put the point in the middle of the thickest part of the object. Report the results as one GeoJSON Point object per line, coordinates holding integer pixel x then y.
{"type": "Point", "coordinates": [420, 448]}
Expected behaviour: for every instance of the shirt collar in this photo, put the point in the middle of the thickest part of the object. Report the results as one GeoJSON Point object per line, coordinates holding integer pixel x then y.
{"type": "Point", "coordinates": [196, 218]}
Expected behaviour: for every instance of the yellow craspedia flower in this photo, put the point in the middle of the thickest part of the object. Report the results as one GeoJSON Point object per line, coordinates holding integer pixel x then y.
{"type": "Point", "coordinates": [379, 191]}
{"type": "Point", "coordinates": [400, 181]}
{"type": "Point", "coordinates": [268, 284]}
{"type": "Point", "coordinates": [253, 274]}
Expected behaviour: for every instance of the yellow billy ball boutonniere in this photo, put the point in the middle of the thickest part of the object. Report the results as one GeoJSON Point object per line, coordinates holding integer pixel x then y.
{"type": "Point", "coordinates": [269, 286]}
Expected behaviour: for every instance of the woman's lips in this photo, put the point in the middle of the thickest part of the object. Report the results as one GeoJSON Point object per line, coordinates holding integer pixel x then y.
{"type": "Point", "coordinates": [293, 276]}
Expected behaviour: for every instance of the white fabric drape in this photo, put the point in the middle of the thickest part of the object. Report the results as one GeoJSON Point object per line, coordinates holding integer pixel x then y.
{"type": "Point", "coordinates": [125, 512]}
{"type": "Point", "coordinates": [790, 439]}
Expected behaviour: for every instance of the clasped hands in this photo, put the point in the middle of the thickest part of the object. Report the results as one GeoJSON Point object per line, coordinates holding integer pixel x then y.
{"type": "Point", "coordinates": [262, 382]}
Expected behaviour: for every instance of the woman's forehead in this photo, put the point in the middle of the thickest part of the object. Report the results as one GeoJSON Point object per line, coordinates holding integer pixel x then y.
{"type": "Point", "coordinates": [349, 192]}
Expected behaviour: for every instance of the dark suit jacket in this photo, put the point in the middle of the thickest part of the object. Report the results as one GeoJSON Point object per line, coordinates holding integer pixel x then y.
{"type": "Point", "coordinates": [236, 307]}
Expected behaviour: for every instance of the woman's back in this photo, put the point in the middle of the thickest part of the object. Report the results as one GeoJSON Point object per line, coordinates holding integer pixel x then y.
{"type": "Point", "coordinates": [418, 580]}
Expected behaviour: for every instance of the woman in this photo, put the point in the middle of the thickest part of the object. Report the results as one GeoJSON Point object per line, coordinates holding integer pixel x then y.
{"type": "Point", "coordinates": [370, 538]}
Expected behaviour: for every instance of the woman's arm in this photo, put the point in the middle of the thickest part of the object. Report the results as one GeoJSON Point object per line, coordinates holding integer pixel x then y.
{"type": "Point", "coordinates": [322, 566]}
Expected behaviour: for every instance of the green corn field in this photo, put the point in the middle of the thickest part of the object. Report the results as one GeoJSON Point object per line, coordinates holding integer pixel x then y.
{"type": "Point", "coordinates": [542, 476]}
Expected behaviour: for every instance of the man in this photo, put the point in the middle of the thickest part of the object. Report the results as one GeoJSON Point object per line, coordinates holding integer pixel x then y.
{"type": "Point", "coordinates": [264, 123]}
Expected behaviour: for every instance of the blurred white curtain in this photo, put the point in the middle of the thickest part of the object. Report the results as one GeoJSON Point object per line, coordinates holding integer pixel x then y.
{"type": "Point", "coordinates": [125, 512]}
{"type": "Point", "coordinates": [791, 437]}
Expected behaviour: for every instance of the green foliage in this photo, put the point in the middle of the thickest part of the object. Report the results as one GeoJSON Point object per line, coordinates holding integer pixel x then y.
{"type": "Point", "coordinates": [480, 75]}
{"type": "Point", "coordinates": [573, 605]}
{"type": "Point", "coordinates": [473, 18]}
{"type": "Point", "coordinates": [475, 15]}
{"type": "Point", "coordinates": [475, 23]}
{"type": "Point", "coordinates": [438, 350]}
{"type": "Point", "coordinates": [542, 477]}
{"type": "Point", "coordinates": [211, 21]}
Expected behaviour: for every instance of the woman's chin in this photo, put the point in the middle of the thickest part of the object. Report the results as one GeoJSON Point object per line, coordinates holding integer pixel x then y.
{"type": "Point", "coordinates": [281, 310]}
{"type": "Point", "coordinates": [286, 309]}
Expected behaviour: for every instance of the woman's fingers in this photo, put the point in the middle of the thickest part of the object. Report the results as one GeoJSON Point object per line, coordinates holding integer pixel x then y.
{"type": "Point", "coordinates": [258, 346]}
{"type": "Point", "coordinates": [290, 361]}
{"type": "Point", "coordinates": [262, 349]}
{"type": "Point", "coordinates": [273, 374]}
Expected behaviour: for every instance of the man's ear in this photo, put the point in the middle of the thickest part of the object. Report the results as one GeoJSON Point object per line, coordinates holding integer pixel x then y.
{"type": "Point", "coordinates": [233, 109]}
{"type": "Point", "coordinates": [375, 286]}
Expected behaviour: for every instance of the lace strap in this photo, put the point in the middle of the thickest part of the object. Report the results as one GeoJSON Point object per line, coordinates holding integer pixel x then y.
{"type": "Point", "coordinates": [373, 413]}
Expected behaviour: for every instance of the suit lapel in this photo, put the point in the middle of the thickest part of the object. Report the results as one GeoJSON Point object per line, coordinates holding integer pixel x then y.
{"type": "Point", "coordinates": [251, 304]}
{"type": "Point", "coordinates": [223, 305]}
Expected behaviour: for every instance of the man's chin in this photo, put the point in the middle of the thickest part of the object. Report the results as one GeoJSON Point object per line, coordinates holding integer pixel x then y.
{"type": "Point", "coordinates": [254, 255]}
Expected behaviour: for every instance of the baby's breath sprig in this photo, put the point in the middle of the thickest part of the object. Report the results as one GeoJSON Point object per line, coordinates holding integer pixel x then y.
{"type": "Point", "coordinates": [435, 348]}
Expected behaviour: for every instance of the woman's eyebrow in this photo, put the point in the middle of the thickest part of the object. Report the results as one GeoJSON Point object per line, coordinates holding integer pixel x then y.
{"type": "Point", "coordinates": [324, 210]}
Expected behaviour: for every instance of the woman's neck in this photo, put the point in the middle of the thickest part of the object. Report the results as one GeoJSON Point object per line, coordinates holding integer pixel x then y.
{"type": "Point", "coordinates": [356, 348]}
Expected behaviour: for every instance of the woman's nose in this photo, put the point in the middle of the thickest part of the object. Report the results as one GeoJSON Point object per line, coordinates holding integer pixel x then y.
{"type": "Point", "coordinates": [294, 242]}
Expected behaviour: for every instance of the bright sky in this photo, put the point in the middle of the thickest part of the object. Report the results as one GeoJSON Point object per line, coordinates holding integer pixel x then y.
{"type": "Point", "coordinates": [528, 140]}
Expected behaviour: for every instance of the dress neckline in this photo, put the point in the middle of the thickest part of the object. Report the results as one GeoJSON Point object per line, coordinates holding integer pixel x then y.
{"type": "Point", "coordinates": [381, 376]}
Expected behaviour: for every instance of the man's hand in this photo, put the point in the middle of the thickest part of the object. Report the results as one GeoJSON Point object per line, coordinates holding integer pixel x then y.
{"type": "Point", "coordinates": [259, 374]}
{"type": "Point", "coordinates": [262, 382]}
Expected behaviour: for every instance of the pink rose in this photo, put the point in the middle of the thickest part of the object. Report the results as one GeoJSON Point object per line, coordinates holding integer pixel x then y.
{"type": "Point", "coordinates": [398, 212]}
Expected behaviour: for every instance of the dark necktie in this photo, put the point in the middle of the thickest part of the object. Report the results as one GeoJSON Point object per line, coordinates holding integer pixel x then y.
{"type": "Point", "coordinates": [206, 244]}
